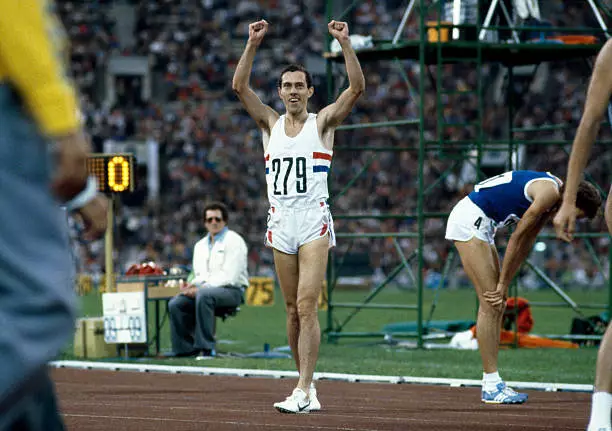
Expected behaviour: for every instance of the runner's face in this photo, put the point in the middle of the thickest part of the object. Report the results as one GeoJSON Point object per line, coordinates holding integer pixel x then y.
{"type": "Point", "coordinates": [294, 91]}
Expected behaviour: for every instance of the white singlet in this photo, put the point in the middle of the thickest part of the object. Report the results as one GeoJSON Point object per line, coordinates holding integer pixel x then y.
{"type": "Point", "coordinates": [296, 168]}
{"type": "Point", "coordinates": [296, 175]}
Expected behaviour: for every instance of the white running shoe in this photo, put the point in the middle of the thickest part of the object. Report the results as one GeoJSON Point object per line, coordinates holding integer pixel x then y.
{"type": "Point", "coordinates": [503, 395]}
{"type": "Point", "coordinates": [297, 402]}
{"type": "Point", "coordinates": [315, 405]}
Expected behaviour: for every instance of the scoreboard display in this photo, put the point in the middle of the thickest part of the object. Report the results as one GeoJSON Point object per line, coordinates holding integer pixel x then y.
{"type": "Point", "coordinates": [114, 171]}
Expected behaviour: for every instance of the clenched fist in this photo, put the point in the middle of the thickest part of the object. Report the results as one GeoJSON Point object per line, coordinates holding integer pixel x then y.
{"type": "Point", "coordinates": [257, 31]}
{"type": "Point", "coordinates": [338, 30]}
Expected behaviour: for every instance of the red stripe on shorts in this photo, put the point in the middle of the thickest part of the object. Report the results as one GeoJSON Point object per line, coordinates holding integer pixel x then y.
{"type": "Point", "coordinates": [324, 230]}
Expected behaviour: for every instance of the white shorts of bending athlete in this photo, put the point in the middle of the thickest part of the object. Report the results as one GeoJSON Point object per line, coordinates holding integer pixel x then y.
{"type": "Point", "coordinates": [467, 221]}
{"type": "Point", "coordinates": [291, 228]}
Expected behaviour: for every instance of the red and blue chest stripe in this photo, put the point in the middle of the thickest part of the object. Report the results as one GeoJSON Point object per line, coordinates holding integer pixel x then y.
{"type": "Point", "coordinates": [320, 162]}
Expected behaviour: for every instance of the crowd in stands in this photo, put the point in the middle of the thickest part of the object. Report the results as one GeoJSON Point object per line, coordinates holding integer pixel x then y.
{"type": "Point", "coordinates": [211, 150]}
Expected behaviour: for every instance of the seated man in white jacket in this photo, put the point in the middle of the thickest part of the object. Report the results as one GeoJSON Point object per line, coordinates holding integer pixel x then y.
{"type": "Point", "coordinates": [220, 278]}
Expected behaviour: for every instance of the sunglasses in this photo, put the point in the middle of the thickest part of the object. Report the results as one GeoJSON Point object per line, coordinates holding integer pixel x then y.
{"type": "Point", "coordinates": [211, 219]}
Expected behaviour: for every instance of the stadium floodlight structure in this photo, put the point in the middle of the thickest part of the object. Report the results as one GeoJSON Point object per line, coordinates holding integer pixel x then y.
{"type": "Point", "coordinates": [442, 43]}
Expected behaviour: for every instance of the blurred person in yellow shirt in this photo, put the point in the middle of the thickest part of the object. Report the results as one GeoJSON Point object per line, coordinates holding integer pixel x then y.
{"type": "Point", "coordinates": [43, 153]}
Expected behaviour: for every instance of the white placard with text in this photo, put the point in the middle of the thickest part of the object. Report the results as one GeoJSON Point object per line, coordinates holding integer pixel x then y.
{"type": "Point", "coordinates": [124, 317]}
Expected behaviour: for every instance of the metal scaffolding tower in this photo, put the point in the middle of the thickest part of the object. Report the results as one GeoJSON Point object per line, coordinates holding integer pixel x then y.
{"type": "Point", "coordinates": [442, 43]}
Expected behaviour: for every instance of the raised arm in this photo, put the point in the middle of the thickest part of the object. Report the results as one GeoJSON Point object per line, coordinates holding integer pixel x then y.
{"type": "Point", "coordinates": [264, 116]}
{"type": "Point", "coordinates": [597, 100]}
{"type": "Point", "coordinates": [331, 116]}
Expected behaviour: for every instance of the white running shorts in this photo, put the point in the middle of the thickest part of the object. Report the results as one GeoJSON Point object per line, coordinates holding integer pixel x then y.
{"type": "Point", "coordinates": [291, 228]}
{"type": "Point", "coordinates": [467, 221]}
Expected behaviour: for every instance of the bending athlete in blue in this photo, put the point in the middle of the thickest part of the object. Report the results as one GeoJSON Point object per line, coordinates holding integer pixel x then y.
{"type": "Point", "coordinates": [530, 199]}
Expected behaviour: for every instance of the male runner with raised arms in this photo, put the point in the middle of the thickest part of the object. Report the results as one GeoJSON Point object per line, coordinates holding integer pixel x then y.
{"type": "Point", "coordinates": [298, 151]}
{"type": "Point", "coordinates": [530, 199]}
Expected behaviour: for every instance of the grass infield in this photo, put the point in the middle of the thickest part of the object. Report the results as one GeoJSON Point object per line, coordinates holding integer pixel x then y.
{"type": "Point", "coordinates": [255, 326]}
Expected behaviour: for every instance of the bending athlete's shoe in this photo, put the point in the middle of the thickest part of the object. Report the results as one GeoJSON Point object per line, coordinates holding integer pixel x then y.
{"type": "Point", "coordinates": [315, 405]}
{"type": "Point", "coordinates": [297, 402]}
{"type": "Point", "coordinates": [503, 395]}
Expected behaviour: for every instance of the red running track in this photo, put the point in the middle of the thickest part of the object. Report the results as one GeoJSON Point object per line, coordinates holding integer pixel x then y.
{"type": "Point", "coordinates": [107, 400]}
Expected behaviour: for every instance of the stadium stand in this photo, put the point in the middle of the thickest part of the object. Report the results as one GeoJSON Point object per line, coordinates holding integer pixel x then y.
{"type": "Point", "coordinates": [211, 150]}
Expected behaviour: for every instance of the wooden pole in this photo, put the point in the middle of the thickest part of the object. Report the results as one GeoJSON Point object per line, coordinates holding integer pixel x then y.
{"type": "Point", "coordinates": [108, 246]}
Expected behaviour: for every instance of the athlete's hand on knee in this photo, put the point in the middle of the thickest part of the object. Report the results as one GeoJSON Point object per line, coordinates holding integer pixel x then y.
{"type": "Point", "coordinates": [257, 31]}
{"type": "Point", "coordinates": [339, 30]}
{"type": "Point", "coordinates": [496, 298]}
{"type": "Point", "coordinates": [70, 176]}
{"type": "Point", "coordinates": [565, 222]}
{"type": "Point", "coordinates": [94, 215]}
